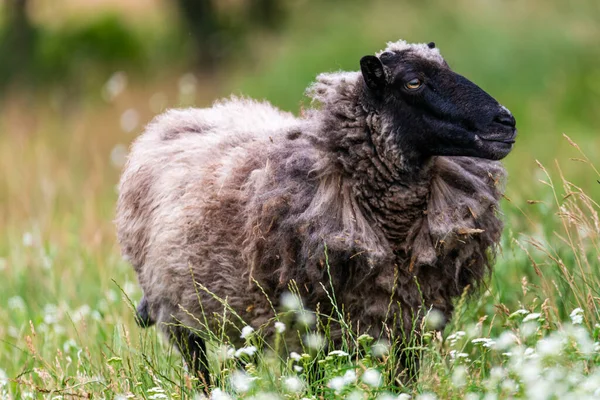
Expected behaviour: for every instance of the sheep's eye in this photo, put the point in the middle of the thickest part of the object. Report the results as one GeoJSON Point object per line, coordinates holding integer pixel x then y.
{"type": "Point", "coordinates": [413, 84]}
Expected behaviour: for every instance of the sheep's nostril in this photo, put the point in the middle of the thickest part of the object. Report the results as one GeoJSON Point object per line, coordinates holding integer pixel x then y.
{"type": "Point", "coordinates": [505, 119]}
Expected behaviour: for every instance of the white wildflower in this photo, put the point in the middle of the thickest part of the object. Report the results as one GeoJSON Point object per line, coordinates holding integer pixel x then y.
{"type": "Point", "coordinates": [265, 396]}
{"type": "Point", "coordinates": [306, 318]}
{"type": "Point", "coordinates": [584, 342]}
{"type": "Point", "coordinates": [314, 341]}
{"type": "Point", "coordinates": [187, 84]}
{"type": "Point", "coordinates": [434, 319]}
{"type": "Point", "coordinates": [485, 342]}
{"type": "Point", "coordinates": [355, 395]}
{"type": "Point", "coordinates": [246, 331]}
{"type": "Point", "coordinates": [518, 312]}
{"type": "Point", "coordinates": [112, 296]}
{"type": "Point", "coordinates": [506, 340]}
{"type": "Point", "coordinates": [16, 303]}
{"type": "Point", "coordinates": [248, 350]}
{"type": "Point", "coordinates": [577, 316]}
{"type": "Point", "coordinates": [380, 348]}
{"type": "Point", "coordinates": [509, 385]}
{"type": "Point", "coordinates": [337, 383]}
{"type": "Point", "coordinates": [298, 368]}
{"type": "Point", "coordinates": [27, 239]}
{"type": "Point", "coordinates": [455, 355]}
{"type": "Point", "coordinates": [96, 316]}
{"type": "Point", "coordinates": [293, 384]}
{"type": "Point", "coordinates": [218, 394]}
{"type": "Point", "coordinates": [51, 314]}
{"type": "Point", "coordinates": [532, 317]}
{"type": "Point", "coordinates": [291, 302]}
{"type": "Point", "coordinates": [14, 332]}
{"type": "Point", "coordinates": [224, 353]}
{"type": "Point", "coordinates": [46, 262]}
{"type": "Point", "coordinates": [349, 376]}
{"type": "Point", "coordinates": [295, 356]}
{"type": "Point", "coordinates": [455, 337]}
{"type": "Point", "coordinates": [528, 328]}
{"type": "Point", "coordinates": [115, 85]}
{"type": "Point", "coordinates": [426, 396]}
{"type": "Point", "coordinates": [241, 381]}
{"type": "Point", "coordinates": [459, 376]}
{"type": "Point", "coordinates": [81, 313]}
{"type": "Point", "coordinates": [3, 378]}
{"type": "Point", "coordinates": [529, 352]}
{"type": "Point", "coordinates": [550, 346]}
{"type": "Point", "coordinates": [118, 155]}
{"type": "Point", "coordinates": [69, 345]}
{"type": "Point", "coordinates": [158, 393]}
{"type": "Point", "coordinates": [539, 389]}
{"type": "Point", "coordinates": [339, 353]}
{"type": "Point", "coordinates": [365, 338]}
{"type": "Point", "coordinates": [385, 396]}
{"type": "Point", "coordinates": [279, 327]}
{"type": "Point", "coordinates": [404, 396]}
{"type": "Point", "coordinates": [129, 120]}
{"type": "Point", "coordinates": [372, 377]}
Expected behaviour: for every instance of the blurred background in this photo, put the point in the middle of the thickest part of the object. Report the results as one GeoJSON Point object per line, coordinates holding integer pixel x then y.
{"type": "Point", "coordinates": [80, 79]}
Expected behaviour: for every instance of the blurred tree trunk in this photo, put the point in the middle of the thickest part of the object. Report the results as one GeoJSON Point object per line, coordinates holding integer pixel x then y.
{"type": "Point", "coordinates": [267, 13]}
{"type": "Point", "coordinates": [202, 20]}
{"type": "Point", "coordinates": [216, 30]}
{"type": "Point", "coordinates": [17, 40]}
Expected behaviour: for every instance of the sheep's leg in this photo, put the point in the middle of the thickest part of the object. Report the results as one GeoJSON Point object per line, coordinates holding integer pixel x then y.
{"type": "Point", "coordinates": [193, 349]}
{"type": "Point", "coordinates": [143, 318]}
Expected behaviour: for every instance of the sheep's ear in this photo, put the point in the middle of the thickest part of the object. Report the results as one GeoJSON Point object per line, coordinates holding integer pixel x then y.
{"type": "Point", "coordinates": [373, 72]}
{"type": "Point", "coordinates": [431, 45]}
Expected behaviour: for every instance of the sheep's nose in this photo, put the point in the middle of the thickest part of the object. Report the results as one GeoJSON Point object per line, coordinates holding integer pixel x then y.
{"type": "Point", "coordinates": [504, 117]}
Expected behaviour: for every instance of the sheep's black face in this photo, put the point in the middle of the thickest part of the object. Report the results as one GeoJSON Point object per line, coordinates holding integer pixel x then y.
{"type": "Point", "coordinates": [433, 110]}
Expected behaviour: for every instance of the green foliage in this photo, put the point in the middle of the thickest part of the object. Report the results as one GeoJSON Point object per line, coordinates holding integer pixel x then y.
{"type": "Point", "coordinates": [81, 53]}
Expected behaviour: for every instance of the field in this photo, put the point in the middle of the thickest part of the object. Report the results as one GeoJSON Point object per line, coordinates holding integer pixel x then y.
{"type": "Point", "coordinates": [67, 326]}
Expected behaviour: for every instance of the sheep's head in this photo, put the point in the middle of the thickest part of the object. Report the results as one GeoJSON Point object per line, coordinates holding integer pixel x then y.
{"type": "Point", "coordinates": [433, 110]}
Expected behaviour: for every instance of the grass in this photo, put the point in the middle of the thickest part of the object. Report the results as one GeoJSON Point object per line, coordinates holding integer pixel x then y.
{"type": "Point", "coordinates": [66, 321]}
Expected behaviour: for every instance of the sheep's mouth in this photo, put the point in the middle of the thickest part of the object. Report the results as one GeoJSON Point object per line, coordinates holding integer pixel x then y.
{"type": "Point", "coordinates": [506, 139]}
{"type": "Point", "coordinates": [495, 146]}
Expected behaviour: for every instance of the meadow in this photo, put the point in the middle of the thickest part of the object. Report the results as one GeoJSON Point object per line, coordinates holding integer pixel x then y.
{"type": "Point", "coordinates": [67, 327]}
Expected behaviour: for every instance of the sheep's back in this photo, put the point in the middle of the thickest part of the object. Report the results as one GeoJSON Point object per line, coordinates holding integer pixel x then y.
{"type": "Point", "coordinates": [182, 193]}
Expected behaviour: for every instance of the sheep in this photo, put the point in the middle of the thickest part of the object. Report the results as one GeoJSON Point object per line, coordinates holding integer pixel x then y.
{"type": "Point", "coordinates": [385, 192]}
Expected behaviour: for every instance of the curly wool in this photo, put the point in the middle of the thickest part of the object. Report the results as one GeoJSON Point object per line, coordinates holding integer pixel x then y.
{"type": "Point", "coordinates": [242, 199]}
